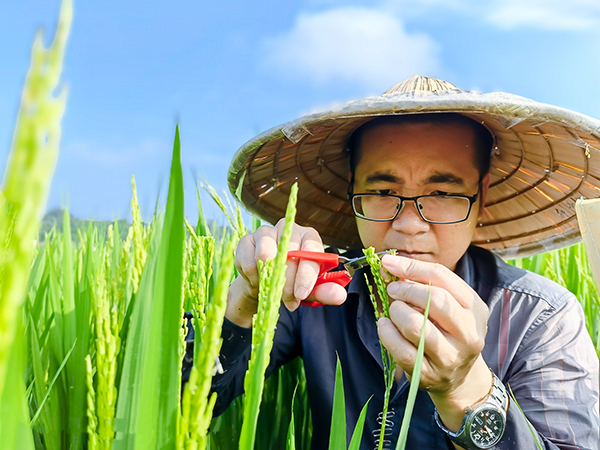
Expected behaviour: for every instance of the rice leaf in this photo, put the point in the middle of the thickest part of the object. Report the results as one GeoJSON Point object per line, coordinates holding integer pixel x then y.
{"type": "Point", "coordinates": [358, 429]}
{"type": "Point", "coordinates": [78, 320]}
{"type": "Point", "coordinates": [51, 385]}
{"type": "Point", "coordinates": [14, 422]}
{"type": "Point", "coordinates": [415, 380]}
{"type": "Point", "coordinates": [147, 408]}
{"type": "Point", "coordinates": [291, 435]}
{"type": "Point", "coordinates": [337, 434]}
{"type": "Point", "coordinates": [531, 429]}
{"type": "Point", "coordinates": [202, 228]}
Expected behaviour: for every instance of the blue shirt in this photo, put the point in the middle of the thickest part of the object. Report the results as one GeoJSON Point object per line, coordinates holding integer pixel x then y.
{"type": "Point", "coordinates": [536, 342]}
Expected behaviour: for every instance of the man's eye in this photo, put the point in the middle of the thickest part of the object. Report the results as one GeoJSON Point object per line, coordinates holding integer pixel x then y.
{"type": "Point", "coordinates": [384, 191]}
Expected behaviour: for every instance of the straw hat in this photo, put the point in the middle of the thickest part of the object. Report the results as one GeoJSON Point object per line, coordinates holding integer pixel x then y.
{"type": "Point", "coordinates": [545, 158]}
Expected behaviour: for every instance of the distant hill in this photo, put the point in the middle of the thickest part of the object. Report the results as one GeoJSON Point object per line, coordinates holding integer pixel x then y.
{"type": "Point", "coordinates": [54, 218]}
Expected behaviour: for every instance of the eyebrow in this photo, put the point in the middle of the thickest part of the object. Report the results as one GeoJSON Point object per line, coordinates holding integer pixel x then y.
{"type": "Point", "coordinates": [445, 178]}
{"type": "Point", "coordinates": [385, 177]}
{"type": "Point", "coordinates": [437, 178]}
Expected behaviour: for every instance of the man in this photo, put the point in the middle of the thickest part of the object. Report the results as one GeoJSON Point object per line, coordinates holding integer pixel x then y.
{"type": "Point", "coordinates": [421, 184]}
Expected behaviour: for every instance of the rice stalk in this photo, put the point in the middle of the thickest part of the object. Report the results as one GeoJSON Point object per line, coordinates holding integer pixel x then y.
{"type": "Point", "coordinates": [29, 170]}
{"type": "Point", "coordinates": [138, 239]}
{"type": "Point", "coordinates": [233, 215]}
{"type": "Point", "coordinates": [92, 427]}
{"type": "Point", "coordinates": [27, 178]}
{"type": "Point", "coordinates": [107, 351]}
{"type": "Point", "coordinates": [197, 403]}
{"type": "Point", "coordinates": [271, 282]}
{"type": "Point", "coordinates": [389, 366]}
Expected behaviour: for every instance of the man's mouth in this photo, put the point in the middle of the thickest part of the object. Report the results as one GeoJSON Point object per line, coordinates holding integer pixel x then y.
{"type": "Point", "coordinates": [410, 253]}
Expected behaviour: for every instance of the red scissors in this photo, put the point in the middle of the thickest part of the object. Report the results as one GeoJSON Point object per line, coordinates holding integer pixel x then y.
{"type": "Point", "coordinates": [328, 262]}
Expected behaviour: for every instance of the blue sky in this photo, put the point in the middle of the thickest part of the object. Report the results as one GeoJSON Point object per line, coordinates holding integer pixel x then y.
{"type": "Point", "coordinates": [225, 71]}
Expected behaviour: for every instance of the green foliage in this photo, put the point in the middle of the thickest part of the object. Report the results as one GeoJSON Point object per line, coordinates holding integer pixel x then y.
{"type": "Point", "coordinates": [275, 411]}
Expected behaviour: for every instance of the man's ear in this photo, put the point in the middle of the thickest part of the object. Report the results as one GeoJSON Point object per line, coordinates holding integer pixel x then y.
{"type": "Point", "coordinates": [485, 183]}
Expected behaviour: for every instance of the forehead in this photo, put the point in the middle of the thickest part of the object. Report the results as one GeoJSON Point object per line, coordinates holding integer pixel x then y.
{"type": "Point", "coordinates": [420, 148]}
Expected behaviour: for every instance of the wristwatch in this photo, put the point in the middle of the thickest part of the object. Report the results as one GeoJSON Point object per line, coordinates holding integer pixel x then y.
{"type": "Point", "coordinates": [484, 422]}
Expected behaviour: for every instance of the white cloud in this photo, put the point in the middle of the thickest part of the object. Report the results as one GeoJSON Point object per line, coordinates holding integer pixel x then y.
{"type": "Point", "coordinates": [545, 14]}
{"type": "Point", "coordinates": [351, 44]}
{"type": "Point", "coordinates": [116, 154]}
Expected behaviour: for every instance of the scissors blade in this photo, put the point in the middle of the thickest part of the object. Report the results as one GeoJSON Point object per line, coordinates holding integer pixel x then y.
{"type": "Point", "coordinates": [352, 265]}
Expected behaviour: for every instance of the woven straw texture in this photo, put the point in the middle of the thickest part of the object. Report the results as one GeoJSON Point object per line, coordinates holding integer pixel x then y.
{"type": "Point", "coordinates": [545, 158]}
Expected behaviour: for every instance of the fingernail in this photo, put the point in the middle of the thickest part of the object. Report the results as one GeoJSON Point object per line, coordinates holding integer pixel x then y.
{"type": "Point", "coordinates": [301, 293]}
{"type": "Point", "coordinates": [389, 259]}
{"type": "Point", "coordinates": [393, 288]}
{"type": "Point", "coordinates": [383, 321]}
{"type": "Point", "coordinates": [292, 305]}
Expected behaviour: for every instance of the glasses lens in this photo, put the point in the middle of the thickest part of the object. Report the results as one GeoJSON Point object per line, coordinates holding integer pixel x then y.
{"type": "Point", "coordinates": [375, 207]}
{"type": "Point", "coordinates": [444, 208]}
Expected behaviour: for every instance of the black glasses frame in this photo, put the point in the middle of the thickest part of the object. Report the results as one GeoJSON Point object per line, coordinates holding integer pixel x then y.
{"type": "Point", "coordinates": [472, 199]}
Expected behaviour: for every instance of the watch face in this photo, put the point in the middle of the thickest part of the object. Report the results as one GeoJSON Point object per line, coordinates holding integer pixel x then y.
{"type": "Point", "coordinates": [487, 427]}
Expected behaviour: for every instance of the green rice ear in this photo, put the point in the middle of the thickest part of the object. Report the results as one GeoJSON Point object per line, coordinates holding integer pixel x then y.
{"type": "Point", "coordinates": [26, 185]}
{"type": "Point", "coordinates": [271, 283]}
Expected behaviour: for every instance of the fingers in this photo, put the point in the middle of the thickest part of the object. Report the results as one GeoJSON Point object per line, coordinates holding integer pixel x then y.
{"type": "Point", "coordinates": [444, 311]}
{"type": "Point", "coordinates": [455, 306]}
{"type": "Point", "coordinates": [454, 332]}
{"type": "Point", "coordinates": [429, 273]}
{"type": "Point", "coordinates": [328, 294]}
{"type": "Point", "coordinates": [301, 275]}
{"type": "Point", "coordinates": [443, 350]}
{"type": "Point", "coordinates": [402, 350]}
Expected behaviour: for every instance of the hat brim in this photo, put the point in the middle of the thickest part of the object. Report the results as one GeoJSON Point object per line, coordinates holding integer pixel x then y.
{"type": "Point", "coordinates": [545, 159]}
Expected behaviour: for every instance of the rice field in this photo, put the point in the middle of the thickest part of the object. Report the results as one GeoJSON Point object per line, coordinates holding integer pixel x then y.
{"type": "Point", "coordinates": [92, 328]}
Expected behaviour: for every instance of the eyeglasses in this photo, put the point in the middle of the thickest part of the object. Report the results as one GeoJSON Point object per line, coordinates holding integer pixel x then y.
{"type": "Point", "coordinates": [439, 208]}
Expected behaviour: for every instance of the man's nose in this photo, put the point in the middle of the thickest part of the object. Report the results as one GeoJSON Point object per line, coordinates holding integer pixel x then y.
{"type": "Point", "coordinates": [408, 220]}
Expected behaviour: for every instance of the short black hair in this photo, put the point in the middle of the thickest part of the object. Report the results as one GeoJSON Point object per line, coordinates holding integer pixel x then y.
{"type": "Point", "coordinates": [483, 137]}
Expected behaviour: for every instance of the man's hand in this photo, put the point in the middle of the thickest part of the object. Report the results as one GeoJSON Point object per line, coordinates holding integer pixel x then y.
{"type": "Point", "coordinates": [453, 370]}
{"type": "Point", "coordinates": [300, 277]}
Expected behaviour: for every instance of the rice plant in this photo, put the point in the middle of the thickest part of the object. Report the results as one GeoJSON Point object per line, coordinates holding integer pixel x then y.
{"type": "Point", "coordinates": [389, 366]}
{"type": "Point", "coordinates": [22, 199]}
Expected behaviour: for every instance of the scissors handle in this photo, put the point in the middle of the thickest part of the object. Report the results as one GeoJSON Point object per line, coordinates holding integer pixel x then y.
{"type": "Point", "coordinates": [328, 261]}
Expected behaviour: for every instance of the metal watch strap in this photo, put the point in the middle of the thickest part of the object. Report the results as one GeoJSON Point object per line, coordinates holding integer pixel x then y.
{"type": "Point", "coordinates": [497, 399]}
